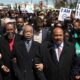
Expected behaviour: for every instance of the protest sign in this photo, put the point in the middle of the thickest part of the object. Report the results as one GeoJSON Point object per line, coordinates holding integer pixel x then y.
{"type": "Point", "coordinates": [64, 13]}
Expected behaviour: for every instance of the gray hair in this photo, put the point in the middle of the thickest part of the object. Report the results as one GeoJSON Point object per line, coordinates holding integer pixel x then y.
{"type": "Point", "coordinates": [27, 26]}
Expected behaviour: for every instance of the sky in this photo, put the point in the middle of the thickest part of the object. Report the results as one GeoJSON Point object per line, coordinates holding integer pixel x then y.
{"type": "Point", "coordinates": [14, 1]}
{"type": "Point", "coordinates": [73, 0]}
{"type": "Point", "coordinates": [34, 1]}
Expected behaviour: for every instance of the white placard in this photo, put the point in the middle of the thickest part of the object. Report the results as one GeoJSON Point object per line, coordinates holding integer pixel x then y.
{"type": "Point", "coordinates": [77, 14]}
{"type": "Point", "coordinates": [27, 7]}
{"type": "Point", "coordinates": [78, 6]}
{"type": "Point", "coordinates": [30, 8]}
{"type": "Point", "coordinates": [64, 13]}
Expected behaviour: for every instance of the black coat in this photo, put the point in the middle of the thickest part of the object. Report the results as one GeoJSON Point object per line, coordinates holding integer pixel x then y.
{"type": "Point", "coordinates": [24, 68]}
{"type": "Point", "coordinates": [53, 69]}
{"type": "Point", "coordinates": [7, 55]}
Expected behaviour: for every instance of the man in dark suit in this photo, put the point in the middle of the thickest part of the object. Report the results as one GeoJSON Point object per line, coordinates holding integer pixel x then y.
{"type": "Point", "coordinates": [7, 43]}
{"type": "Point", "coordinates": [25, 52]}
{"type": "Point", "coordinates": [57, 56]}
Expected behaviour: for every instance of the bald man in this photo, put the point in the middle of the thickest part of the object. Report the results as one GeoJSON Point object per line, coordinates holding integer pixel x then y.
{"type": "Point", "coordinates": [7, 43]}
{"type": "Point", "coordinates": [24, 52]}
{"type": "Point", "coordinates": [57, 56]}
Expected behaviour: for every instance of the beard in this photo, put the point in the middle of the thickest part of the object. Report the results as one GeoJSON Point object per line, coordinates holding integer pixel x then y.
{"type": "Point", "coordinates": [10, 36]}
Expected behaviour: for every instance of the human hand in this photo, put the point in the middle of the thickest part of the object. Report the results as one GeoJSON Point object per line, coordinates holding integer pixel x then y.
{"type": "Point", "coordinates": [39, 66]}
{"type": "Point", "coordinates": [77, 77]}
{"type": "Point", "coordinates": [5, 69]}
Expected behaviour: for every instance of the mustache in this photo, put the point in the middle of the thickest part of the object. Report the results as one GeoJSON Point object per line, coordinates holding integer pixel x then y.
{"type": "Point", "coordinates": [10, 33]}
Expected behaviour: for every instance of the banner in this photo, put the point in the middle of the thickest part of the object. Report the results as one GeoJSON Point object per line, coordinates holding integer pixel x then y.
{"type": "Point", "coordinates": [78, 6]}
{"type": "Point", "coordinates": [30, 8]}
{"type": "Point", "coordinates": [77, 14]}
{"type": "Point", "coordinates": [64, 13]}
{"type": "Point", "coordinates": [26, 7]}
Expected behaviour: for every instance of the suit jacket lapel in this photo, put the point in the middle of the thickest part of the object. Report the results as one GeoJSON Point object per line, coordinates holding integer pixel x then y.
{"type": "Point", "coordinates": [32, 49]}
{"type": "Point", "coordinates": [53, 54]}
{"type": "Point", "coordinates": [15, 39]}
{"type": "Point", "coordinates": [63, 52]}
{"type": "Point", "coordinates": [24, 50]}
{"type": "Point", "coordinates": [6, 46]}
{"type": "Point", "coordinates": [44, 33]}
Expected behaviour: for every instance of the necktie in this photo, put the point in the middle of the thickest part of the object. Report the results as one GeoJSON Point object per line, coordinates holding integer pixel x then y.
{"type": "Point", "coordinates": [59, 52]}
{"type": "Point", "coordinates": [28, 46]}
{"type": "Point", "coordinates": [11, 43]}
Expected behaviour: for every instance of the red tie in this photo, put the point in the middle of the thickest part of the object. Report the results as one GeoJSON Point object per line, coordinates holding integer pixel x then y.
{"type": "Point", "coordinates": [59, 51]}
{"type": "Point", "coordinates": [11, 42]}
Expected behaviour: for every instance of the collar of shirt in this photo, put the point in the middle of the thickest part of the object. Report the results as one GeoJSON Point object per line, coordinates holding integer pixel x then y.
{"type": "Point", "coordinates": [38, 36]}
{"type": "Point", "coordinates": [28, 42]}
{"type": "Point", "coordinates": [37, 33]}
{"type": "Point", "coordinates": [61, 45]}
{"type": "Point", "coordinates": [41, 31]}
{"type": "Point", "coordinates": [56, 49]}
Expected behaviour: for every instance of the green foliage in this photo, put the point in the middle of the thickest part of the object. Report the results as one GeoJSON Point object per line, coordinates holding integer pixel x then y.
{"type": "Point", "coordinates": [65, 4]}
{"type": "Point", "coordinates": [73, 5]}
{"type": "Point", "coordinates": [60, 4]}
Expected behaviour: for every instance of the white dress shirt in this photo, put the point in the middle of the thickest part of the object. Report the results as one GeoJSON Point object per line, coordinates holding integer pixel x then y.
{"type": "Point", "coordinates": [38, 36]}
{"type": "Point", "coordinates": [56, 49]}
